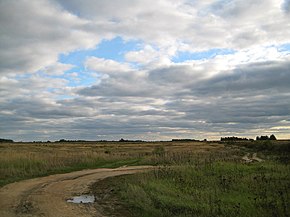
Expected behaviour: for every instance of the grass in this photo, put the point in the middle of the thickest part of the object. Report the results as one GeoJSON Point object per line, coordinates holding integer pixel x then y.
{"type": "Point", "coordinates": [23, 167]}
{"type": "Point", "coordinates": [212, 189]}
{"type": "Point", "coordinates": [27, 161]}
{"type": "Point", "coordinates": [208, 184]}
{"type": "Point", "coordinates": [19, 161]}
{"type": "Point", "coordinates": [193, 178]}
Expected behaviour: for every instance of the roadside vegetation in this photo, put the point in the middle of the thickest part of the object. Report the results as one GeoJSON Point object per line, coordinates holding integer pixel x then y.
{"type": "Point", "coordinates": [216, 183]}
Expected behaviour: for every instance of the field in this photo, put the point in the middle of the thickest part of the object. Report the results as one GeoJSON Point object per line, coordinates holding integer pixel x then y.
{"type": "Point", "coordinates": [190, 179]}
{"type": "Point", "coordinates": [210, 189]}
{"type": "Point", "coordinates": [214, 183]}
{"type": "Point", "coordinates": [20, 161]}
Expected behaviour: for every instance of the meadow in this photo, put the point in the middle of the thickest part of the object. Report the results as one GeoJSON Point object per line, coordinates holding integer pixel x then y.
{"type": "Point", "coordinates": [191, 178]}
{"type": "Point", "coordinates": [19, 161]}
{"type": "Point", "coordinates": [206, 184]}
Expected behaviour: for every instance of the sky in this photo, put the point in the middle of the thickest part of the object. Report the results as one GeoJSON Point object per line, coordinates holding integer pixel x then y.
{"type": "Point", "coordinates": [144, 69]}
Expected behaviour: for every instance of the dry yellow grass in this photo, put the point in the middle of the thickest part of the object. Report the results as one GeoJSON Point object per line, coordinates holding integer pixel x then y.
{"type": "Point", "coordinates": [25, 160]}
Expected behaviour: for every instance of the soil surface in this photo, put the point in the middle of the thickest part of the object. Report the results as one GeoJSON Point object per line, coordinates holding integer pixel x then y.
{"type": "Point", "coordinates": [47, 196]}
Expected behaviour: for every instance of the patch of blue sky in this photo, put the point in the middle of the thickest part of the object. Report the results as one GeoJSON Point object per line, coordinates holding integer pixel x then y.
{"type": "Point", "coordinates": [284, 47]}
{"type": "Point", "coordinates": [187, 56]}
{"type": "Point", "coordinates": [114, 49]}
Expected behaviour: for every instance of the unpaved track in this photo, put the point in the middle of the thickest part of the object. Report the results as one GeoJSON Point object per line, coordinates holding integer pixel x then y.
{"type": "Point", "coordinates": [46, 196]}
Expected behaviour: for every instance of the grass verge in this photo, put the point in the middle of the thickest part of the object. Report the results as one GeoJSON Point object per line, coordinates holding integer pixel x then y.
{"type": "Point", "coordinates": [206, 187]}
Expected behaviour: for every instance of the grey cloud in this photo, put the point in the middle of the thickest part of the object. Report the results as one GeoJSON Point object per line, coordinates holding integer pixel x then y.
{"type": "Point", "coordinates": [157, 105]}
{"type": "Point", "coordinates": [286, 6]}
{"type": "Point", "coordinates": [248, 97]}
{"type": "Point", "coordinates": [156, 101]}
{"type": "Point", "coordinates": [129, 84]}
{"type": "Point", "coordinates": [173, 74]}
{"type": "Point", "coordinates": [88, 8]}
{"type": "Point", "coordinates": [175, 80]}
{"type": "Point", "coordinates": [161, 82]}
{"type": "Point", "coordinates": [34, 33]}
{"type": "Point", "coordinates": [232, 9]}
{"type": "Point", "coordinates": [116, 89]}
{"type": "Point", "coordinates": [259, 77]}
{"type": "Point", "coordinates": [200, 25]}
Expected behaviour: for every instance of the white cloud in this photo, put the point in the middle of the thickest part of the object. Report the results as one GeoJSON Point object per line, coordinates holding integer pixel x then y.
{"type": "Point", "coordinates": [145, 56]}
{"type": "Point", "coordinates": [149, 57]}
{"type": "Point", "coordinates": [34, 33]}
{"type": "Point", "coordinates": [57, 69]}
{"type": "Point", "coordinates": [222, 64]}
{"type": "Point", "coordinates": [102, 65]}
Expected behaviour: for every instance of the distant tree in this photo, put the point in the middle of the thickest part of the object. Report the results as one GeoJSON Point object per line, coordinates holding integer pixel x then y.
{"type": "Point", "coordinates": [183, 140]}
{"type": "Point", "coordinates": [258, 138]}
{"type": "Point", "coordinates": [233, 138]}
{"type": "Point", "coordinates": [273, 137]}
{"type": "Point", "coordinates": [264, 137]}
{"type": "Point", "coordinates": [6, 140]}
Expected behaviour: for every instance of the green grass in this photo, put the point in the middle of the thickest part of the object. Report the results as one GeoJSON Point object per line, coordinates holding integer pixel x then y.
{"type": "Point", "coordinates": [219, 188]}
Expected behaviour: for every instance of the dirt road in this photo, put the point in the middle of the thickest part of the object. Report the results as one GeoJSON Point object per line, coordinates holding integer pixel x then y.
{"type": "Point", "coordinates": [46, 196]}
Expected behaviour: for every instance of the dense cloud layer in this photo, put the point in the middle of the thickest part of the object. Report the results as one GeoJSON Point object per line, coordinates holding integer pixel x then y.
{"type": "Point", "coordinates": [147, 95]}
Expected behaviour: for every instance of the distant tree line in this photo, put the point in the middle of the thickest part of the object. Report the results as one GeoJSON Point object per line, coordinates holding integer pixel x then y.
{"type": "Point", "coordinates": [272, 137]}
{"type": "Point", "coordinates": [6, 140]}
{"type": "Point", "coordinates": [67, 140]}
{"type": "Point", "coordinates": [128, 140]}
{"type": "Point", "coordinates": [233, 138]}
{"type": "Point", "coordinates": [184, 140]}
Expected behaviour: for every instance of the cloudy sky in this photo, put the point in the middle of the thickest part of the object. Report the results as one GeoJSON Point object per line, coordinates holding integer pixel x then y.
{"type": "Point", "coordinates": [144, 69]}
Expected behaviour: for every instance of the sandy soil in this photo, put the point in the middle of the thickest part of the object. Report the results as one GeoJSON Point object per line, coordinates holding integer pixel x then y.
{"type": "Point", "coordinates": [46, 196]}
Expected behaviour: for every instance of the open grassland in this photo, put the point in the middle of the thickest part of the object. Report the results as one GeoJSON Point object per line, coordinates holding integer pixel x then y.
{"type": "Point", "coordinates": [210, 189]}
{"type": "Point", "coordinates": [207, 184]}
{"type": "Point", "coordinates": [20, 161]}
{"type": "Point", "coordinates": [191, 179]}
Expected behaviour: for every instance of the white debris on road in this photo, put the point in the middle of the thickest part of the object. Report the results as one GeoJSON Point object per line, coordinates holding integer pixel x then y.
{"type": "Point", "coordinates": [248, 159]}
